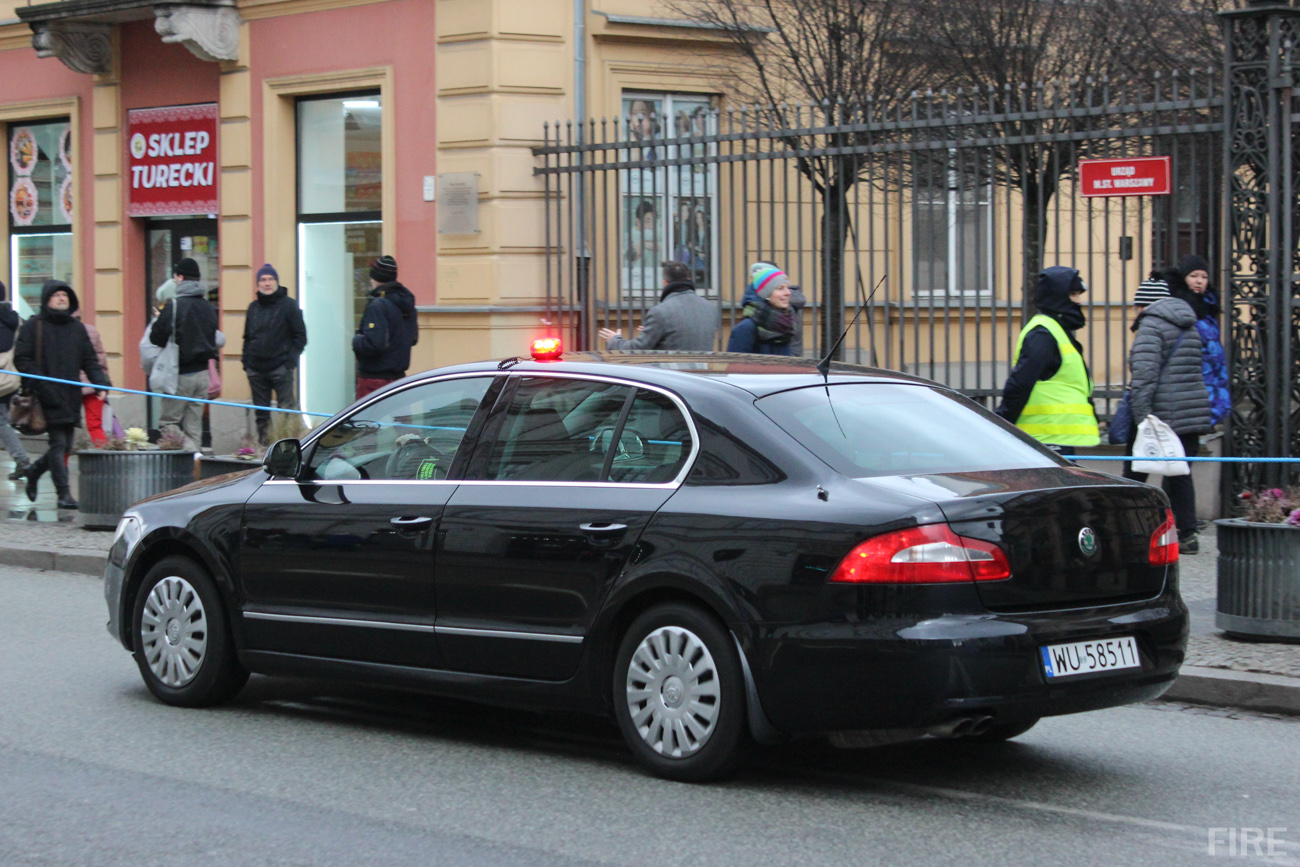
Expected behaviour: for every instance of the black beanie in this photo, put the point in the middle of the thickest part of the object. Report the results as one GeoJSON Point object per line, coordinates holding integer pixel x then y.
{"type": "Point", "coordinates": [384, 269]}
{"type": "Point", "coordinates": [187, 268]}
{"type": "Point", "coordinates": [1191, 263]}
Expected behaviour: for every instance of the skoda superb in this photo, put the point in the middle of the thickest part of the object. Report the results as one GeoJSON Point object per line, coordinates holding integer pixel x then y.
{"type": "Point", "coordinates": [711, 549]}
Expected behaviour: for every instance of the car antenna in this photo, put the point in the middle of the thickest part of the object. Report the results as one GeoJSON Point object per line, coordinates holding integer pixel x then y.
{"type": "Point", "coordinates": [824, 366]}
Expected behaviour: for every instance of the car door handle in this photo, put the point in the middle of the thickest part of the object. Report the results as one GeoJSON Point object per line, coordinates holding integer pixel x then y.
{"type": "Point", "coordinates": [415, 523]}
{"type": "Point", "coordinates": [602, 528]}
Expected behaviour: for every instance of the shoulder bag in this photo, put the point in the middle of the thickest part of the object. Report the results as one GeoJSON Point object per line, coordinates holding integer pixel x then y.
{"type": "Point", "coordinates": [25, 411]}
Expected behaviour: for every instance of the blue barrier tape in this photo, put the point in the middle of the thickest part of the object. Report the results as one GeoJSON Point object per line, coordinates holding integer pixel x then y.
{"type": "Point", "coordinates": [81, 384]}
{"type": "Point", "coordinates": [1128, 458]}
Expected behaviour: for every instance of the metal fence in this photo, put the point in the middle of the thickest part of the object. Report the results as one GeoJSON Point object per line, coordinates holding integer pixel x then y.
{"type": "Point", "coordinates": [951, 202]}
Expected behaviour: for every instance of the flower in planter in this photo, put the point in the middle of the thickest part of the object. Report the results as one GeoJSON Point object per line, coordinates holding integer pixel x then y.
{"type": "Point", "coordinates": [1272, 506]}
{"type": "Point", "coordinates": [1294, 518]}
{"type": "Point", "coordinates": [171, 441]}
{"type": "Point", "coordinates": [136, 437]}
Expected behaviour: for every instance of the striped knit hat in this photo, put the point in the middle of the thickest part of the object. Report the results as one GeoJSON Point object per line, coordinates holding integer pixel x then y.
{"type": "Point", "coordinates": [765, 278]}
{"type": "Point", "coordinates": [1150, 291]}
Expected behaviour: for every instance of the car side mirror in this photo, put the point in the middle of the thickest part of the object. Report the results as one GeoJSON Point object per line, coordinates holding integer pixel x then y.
{"type": "Point", "coordinates": [284, 458]}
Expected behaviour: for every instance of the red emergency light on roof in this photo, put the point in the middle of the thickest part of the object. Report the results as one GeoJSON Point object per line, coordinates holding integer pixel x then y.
{"type": "Point", "coordinates": [547, 349]}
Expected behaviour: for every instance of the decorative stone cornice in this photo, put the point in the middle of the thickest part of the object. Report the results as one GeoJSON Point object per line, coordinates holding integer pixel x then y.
{"type": "Point", "coordinates": [209, 32]}
{"type": "Point", "coordinates": [81, 46]}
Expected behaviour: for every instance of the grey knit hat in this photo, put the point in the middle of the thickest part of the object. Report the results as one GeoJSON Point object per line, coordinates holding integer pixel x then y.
{"type": "Point", "coordinates": [1150, 291]}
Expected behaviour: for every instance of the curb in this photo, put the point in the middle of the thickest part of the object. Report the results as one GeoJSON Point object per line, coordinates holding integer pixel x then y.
{"type": "Point", "coordinates": [53, 560]}
{"type": "Point", "coordinates": [1247, 690]}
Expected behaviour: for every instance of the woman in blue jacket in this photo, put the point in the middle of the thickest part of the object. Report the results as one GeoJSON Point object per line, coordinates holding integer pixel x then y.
{"type": "Point", "coordinates": [1190, 281]}
{"type": "Point", "coordinates": [768, 325]}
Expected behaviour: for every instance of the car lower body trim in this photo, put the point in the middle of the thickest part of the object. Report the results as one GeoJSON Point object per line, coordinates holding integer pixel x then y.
{"type": "Point", "coordinates": [412, 627]}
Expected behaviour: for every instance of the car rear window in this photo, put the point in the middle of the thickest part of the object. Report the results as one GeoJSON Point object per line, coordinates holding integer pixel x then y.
{"type": "Point", "coordinates": [864, 429]}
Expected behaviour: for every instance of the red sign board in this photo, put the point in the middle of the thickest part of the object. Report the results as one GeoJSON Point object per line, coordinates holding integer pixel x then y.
{"type": "Point", "coordinates": [1139, 176]}
{"type": "Point", "coordinates": [172, 160]}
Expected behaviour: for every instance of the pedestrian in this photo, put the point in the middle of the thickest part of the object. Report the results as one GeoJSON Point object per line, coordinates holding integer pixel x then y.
{"type": "Point", "coordinates": [91, 401]}
{"type": "Point", "coordinates": [1048, 394]}
{"type": "Point", "coordinates": [1190, 281]}
{"type": "Point", "coordinates": [389, 328]}
{"type": "Point", "coordinates": [165, 292]}
{"type": "Point", "coordinates": [274, 338]}
{"type": "Point", "coordinates": [682, 321]}
{"type": "Point", "coordinates": [1165, 381]}
{"type": "Point", "coordinates": [797, 304]}
{"type": "Point", "coordinates": [9, 384]}
{"type": "Point", "coordinates": [768, 323]}
{"type": "Point", "coordinates": [193, 320]}
{"type": "Point", "coordinates": [54, 343]}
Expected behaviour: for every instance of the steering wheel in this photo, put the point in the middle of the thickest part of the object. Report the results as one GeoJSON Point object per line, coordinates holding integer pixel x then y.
{"type": "Point", "coordinates": [416, 460]}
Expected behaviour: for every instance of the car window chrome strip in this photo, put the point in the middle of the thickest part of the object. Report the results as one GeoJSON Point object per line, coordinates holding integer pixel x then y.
{"type": "Point", "coordinates": [337, 621]}
{"type": "Point", "coordinates": [502, 633]}
{"type": "Point", "coordinates": [412, 627]}
{"type": "Point", "coordinates": [656, 486]}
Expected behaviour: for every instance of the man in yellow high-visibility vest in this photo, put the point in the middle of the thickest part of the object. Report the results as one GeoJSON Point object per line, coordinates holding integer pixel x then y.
{"type": "Point", "coordinates": [1049, 392]}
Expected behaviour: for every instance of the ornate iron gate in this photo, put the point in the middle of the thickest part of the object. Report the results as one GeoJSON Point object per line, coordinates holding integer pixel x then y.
{"type": "Point", "coordinates": [952, 202]}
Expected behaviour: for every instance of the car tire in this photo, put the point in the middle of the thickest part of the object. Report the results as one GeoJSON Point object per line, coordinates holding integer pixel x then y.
{"type": "Point", "coordinates": [679, 694]}
{"type": "Point", "coordinates": [182, 641]}
{"type": "Point", "coordinates": [999, 732]}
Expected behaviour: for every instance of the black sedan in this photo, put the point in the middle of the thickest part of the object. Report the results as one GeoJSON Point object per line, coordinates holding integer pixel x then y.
{"type": "Point", "coordinates": [713, 549]}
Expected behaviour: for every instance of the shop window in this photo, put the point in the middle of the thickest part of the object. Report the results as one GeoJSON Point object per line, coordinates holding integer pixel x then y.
{"type": "Point", "coordinates": [340, 232]}
{"type": "Point", "coordinates": [952, 226]}
{"type": "Point", "coordinates": [667, 212]}
{"type": "Point", "coordinates": [40, 208]}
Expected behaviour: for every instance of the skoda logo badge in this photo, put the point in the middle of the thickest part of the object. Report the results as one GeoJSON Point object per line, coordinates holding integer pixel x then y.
{"type": "Point", "coordinates": [1087, 541]}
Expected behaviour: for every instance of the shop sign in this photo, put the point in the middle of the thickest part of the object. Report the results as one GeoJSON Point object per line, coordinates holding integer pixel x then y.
{"type": "Point", "coordinates": [1139, 176]}
{"type": "Point", "coordinates": [172, 160]}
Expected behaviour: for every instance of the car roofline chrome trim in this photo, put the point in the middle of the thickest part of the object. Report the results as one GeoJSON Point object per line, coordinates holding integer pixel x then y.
{"type": "Point", "coordinates": [676, 482]}
{"type": "Point", "coordinates": [412, 627]}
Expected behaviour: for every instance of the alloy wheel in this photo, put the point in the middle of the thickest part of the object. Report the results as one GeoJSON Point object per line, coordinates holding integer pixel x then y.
{"type": "Point", "coordinates": [174, 631]}
{"type": "Point", "coordinates": [673, 691]}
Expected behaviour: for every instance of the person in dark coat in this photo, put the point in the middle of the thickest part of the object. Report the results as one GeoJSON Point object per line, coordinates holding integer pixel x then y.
{"type": "Point", "coordinates": [682, 321]}
{"type": "Point", "coordinates": [768, 325]}
{"type": "Point", "coordinates": [65, 352]}
{"type": "Point", "coordinates": [1165, 381]}
{"type": "Point", "coordinates": [389, 328]}
{"type": "Point", "coordinates": [9, 322]}
{"type": "Point", "coordinates": [798, 301]}
{"type": "Point", "coordinates": [198, 342]}
{"type": "Point", "coordinates": [274, 338]}
{"type": "Point", "coordinates": [1061, 414]}
{"type": "Point", "coordinates": [1190, 281]}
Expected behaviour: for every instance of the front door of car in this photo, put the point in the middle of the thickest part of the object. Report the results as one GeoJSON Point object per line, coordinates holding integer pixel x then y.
{"type": "Point", "coordinates": [340, 561]}
{"type": "Point", "coordinates": [567, 475]}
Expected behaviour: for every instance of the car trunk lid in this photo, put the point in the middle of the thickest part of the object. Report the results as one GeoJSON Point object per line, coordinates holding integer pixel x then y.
{"type": "Point", "coordinates": [1073, 537]}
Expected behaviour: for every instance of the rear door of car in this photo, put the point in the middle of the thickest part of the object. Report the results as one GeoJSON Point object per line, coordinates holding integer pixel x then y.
{"type": "Point", "coordinates": [569, 472]}
{"type": "Point", "coordinates": [340, 562]}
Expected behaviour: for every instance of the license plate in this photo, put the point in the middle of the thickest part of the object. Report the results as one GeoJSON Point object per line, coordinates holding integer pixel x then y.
{"type": "Point", "coordinates": [1089, 657]}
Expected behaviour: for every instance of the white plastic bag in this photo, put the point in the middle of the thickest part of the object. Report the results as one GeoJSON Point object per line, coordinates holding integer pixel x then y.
{"type": "Point", "coordinates": [164, 375]}
{"type": "Point", "coordinates": [1155, 439]}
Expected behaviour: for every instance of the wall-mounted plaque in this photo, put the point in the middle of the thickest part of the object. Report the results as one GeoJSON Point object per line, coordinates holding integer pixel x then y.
{"type": "Point", "coordinates": [458, 203]}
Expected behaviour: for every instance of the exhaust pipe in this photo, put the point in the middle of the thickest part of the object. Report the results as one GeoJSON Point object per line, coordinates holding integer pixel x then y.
{"type": "Point", "coordinates": [960, 727]}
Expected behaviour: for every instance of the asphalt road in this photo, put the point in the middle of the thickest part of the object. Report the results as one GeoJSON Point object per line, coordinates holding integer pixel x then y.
{"type": "Point", "coordinates": [94, 772]}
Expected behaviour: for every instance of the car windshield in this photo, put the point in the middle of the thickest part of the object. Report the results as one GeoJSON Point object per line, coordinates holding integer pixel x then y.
{"type": "Point", "coordinates": [865, 429]}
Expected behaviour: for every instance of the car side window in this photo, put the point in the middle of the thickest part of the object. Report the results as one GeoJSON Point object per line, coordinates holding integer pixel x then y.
{"type": "Point", "coordinates": [557, 430]}
{"type": "Point", "coordinates": [412, 435]}
{"type": "Point", "coordinates": [655, 441]}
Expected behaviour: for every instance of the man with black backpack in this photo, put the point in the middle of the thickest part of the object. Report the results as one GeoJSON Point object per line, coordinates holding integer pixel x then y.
{"type": "Point", "coordinates": [388, 329]}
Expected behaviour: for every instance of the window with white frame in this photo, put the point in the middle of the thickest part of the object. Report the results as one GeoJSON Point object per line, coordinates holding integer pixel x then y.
{"type": "Point", "coordinates": [40, 209]}
{"type": "Point", "coordinates": [952, 225]}
{"type": "Point", "coordinates": [667, 212]}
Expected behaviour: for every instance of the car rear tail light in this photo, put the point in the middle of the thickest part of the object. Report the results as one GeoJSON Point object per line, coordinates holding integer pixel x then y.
{"type": "Point", "coordinates": [1164, 542]}
{"type": "Point", "coordinates": [932, 554]}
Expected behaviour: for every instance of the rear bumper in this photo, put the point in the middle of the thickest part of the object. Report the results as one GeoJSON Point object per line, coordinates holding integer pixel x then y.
{"type": "Point", "coordinates": [914, 672]}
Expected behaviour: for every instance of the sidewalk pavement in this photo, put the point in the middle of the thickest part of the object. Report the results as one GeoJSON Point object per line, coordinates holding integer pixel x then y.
{"type": "Point", "coordinates": [1219, 670]}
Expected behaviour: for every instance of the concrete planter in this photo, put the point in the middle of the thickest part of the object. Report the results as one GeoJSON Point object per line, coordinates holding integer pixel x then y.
{"type": "Point", "coordinates": [111, 482]}
{"type": "Point", "coordinates": [207, 466]}
{"type": "Point", "coordinates": [1259, 579]}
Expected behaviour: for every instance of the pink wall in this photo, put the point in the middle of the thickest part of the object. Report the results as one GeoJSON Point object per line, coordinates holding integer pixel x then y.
{"type": "Point", "coordinates": [27, 77]}
{"type": "Point", "coordinates": [399, 34]}
{"type": "Point", "coordinates": [153, 74]}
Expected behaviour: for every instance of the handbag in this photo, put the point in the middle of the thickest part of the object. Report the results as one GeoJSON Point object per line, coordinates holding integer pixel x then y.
{"type": "Point", "coordinates": [1121, 421]}
{"type": "Point", "coordinates": [214, 379]}
{"type": "Point", "coordinates": [26, 414]}
{"type": "Point", "coordinates": [148, 352]}
{"type": "Point", "coordinates": [9, 376]}
{"type": "Point", "coordinates": [165, 375]}
{"type": "Point", "coordinates": [1155, 439]}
